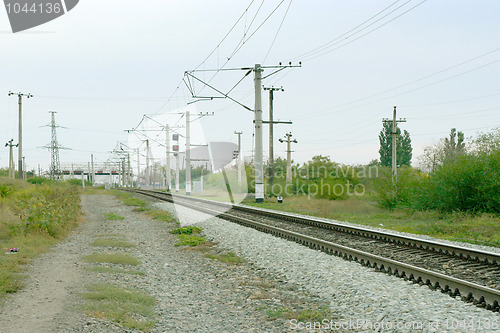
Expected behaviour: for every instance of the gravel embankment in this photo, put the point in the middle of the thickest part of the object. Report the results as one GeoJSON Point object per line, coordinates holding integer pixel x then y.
{"type": "Point", "coordinates": [354, 292]}
{"type": "Point", "coordinates": [424, 237]}
{"type": "Point", "coordinates": [194, 293]}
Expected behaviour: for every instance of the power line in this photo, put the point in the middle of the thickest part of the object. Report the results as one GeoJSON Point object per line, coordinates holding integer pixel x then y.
{"type": "Point", "coordinates": [227, 34]}
{"type": "Point", "coordinates": [369, 32]}
{"type": "Point", "coordinates": [406, 84]}
{"type": "Point", "coordinates": [326, 45]}
{"type": "Point", "coordinates": [257, 29]}
{"type": "Point", "coordinates": [277, 32]}
{"type": "Point", "coordinates": [451, 102]}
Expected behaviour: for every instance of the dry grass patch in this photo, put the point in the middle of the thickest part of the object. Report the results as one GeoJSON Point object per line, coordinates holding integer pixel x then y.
{"type": "Point", "coordinates": [112, 242]}
{"type": "Point", "coordinates": [113, 217]}
{"type": "Point", "coordinates": [162, 216]}
{"type": "Point", "coordinates": [131, 308]}
{"type": "Point", "coordinates": [228, 258]}
{"type": "Point", "coordinates": [112, 270]}
{"type": "Point", "coordinates": [113, 258]}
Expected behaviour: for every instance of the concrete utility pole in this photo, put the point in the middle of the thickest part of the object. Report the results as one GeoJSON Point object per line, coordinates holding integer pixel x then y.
{"type": "Point", "coordinates": [177, 171]}
{"type": "Point", "coordinates": [258, 157]}
{"type": "Point", "coordinates": [129, 173]}
{"type": "Point", "coordinates": [239, 156]}
{"type": "Point", "coordinates": [271, 122]}
{"type": "Point", "coordinates": [394, 143]}
{"type": "Point", "coordinates": [258, 153]}
{"type": "Point", "coordinates": [288, 156]}
{"type": "Point", "coordinates": [92, 180]}
{"type": "Point", "coordinates": [188, 155]}
{"type": "Point", "coordinates": [147, 172]}
{"type": "Point", "coordinates": [24, 168]}
{"type": "Point", "coordinates": [168, 174]}
{"type": "Point", "coordinates": [12, 172]}
{"type": "Point", "coordinates": [20, 141]}
{"type": "Point", "coordinates": [138, 166]}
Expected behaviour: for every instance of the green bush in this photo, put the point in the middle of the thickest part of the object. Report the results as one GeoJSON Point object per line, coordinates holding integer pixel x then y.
{"type": "Point", "coordinates": [46, 209]}
{"type": "Point", "coordinates": [78, 182]}
{"type": "Point", "coordinates": [186, 230]}
{"type": "Point", "coordinates": [469, 183]}
{"type": "Point", "coordinates": [400, 194]}
{"type": "Point", "coordinates": [39, 180]}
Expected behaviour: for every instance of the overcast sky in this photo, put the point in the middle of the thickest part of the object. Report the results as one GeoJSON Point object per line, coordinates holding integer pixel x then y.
{"type": "Point", "coordinates": [105, 64]}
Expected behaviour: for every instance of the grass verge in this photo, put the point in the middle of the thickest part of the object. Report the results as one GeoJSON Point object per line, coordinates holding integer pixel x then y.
{"type": "Point", "coordinates": [131, 308]}
{"type": "Point", "coordinates": [32, 218]}
{"type": "Point", "coordinates": [112, 258]}
{"type": "Point", "coordinates": [113, 216]}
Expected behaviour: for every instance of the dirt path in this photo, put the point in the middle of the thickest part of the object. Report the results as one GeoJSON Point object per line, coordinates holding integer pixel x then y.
{"type": "Point", "coordinates": [47, 303]}
{"type": "Point", "coordinates": [193, 293]}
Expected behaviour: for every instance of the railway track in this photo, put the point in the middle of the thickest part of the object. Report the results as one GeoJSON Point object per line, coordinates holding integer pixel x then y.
{"type": "Point", "coordinates": [473, 275]}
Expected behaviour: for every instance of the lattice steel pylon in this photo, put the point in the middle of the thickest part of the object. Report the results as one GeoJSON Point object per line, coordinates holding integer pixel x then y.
{"type": "Point", "coordinates": [55, 165]}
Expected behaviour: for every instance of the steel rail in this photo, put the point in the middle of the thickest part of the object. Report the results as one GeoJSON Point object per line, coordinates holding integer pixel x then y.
{"type": "Point", "coordinates": [470, 292]}
{"type": "Point", "coordinates": [490, 258]}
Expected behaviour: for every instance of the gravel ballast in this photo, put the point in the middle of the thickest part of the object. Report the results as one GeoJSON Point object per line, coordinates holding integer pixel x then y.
{"type": "Point", "coordinates": [365, 300]}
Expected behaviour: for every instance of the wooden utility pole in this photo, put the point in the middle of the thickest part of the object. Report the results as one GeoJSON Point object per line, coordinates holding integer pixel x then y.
{"type": "Point", "coordinates": [20, 141]}
{"type": "Point", "coordinates": [12, 172]}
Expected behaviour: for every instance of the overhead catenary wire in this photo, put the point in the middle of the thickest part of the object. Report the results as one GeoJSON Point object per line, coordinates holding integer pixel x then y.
{"type": "Point", "coordinates": [226, 35]}
{"type": "Point", "coordinates": [450, 102]}
{"type": "Point", "coordinates": [321, 47]}
{"type": "Point", "coordinates": [328, 110]}
{"type": "Point", "coordinates": [365, 34]}
{"type": "Point", "coordinates": [278, 31]}
{"type": "Point", "coordinates": [242, 43]}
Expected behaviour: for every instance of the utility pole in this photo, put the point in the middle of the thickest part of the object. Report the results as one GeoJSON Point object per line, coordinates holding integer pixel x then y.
{"type": "Point", "coordinates": [394, 143]}
{"type": "Point", "coordinates": [239, 156]}
{"type": "Point", "coordinates": [129, 173]}
{"type": "Point", "coordinates": [188, 155]}
{"type": "Point", "coordinates": [271, 133]}
{"type": "Point", "coordinates": [24, 168]}
{"type": "Point", "coordinates": [147, 172]}
{"type": "Point", "coordinates": [177, 171]}
{"type": "Point", "coordinates": [168, 174]}
{"type": "Point", "coordinates": [124, 173]}
{"type": "Point", "coordinates": [138, 166]}
{"type": "Point", "coordinates": [257, 70]}
{"type": "Point", "coordinates": [288, 156]}
{"type": "Point", "coordinates": [20, 141]}
{"type": "Point", "coordinates": [258, 158]}
{"type": "Point", "coordinates": [92, 180]}
{"type": "Point", "coordinates": [12, 172]}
